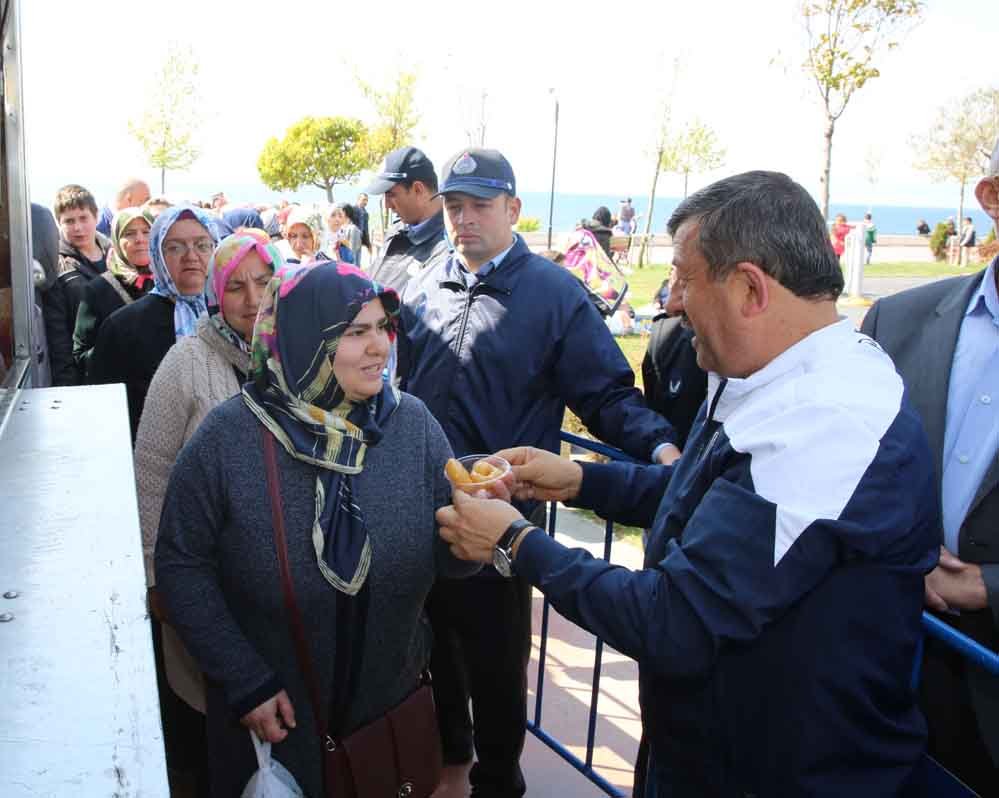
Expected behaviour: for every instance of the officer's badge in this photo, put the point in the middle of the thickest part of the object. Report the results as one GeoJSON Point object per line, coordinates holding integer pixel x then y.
{"type": "Point", "coordinates": [465, 165]}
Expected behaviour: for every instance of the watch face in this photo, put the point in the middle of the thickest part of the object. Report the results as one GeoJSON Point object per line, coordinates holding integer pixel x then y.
{"type": "Point", "coordinates": [501, 562]}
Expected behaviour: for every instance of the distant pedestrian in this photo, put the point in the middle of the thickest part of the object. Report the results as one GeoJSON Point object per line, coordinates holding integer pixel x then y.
{"type": "Point", "coordinates": [968, 237]}
{"type": "Point", "coordinates": [870, 235]}
{"type": "Point", "coordinates": [840, 230]}
{"type": "Point", "coordinates": [922, 228]}
{"type": "Point", "coordinates": [626, 217]}
{"type": "Point", "coordinates": [361, 207]}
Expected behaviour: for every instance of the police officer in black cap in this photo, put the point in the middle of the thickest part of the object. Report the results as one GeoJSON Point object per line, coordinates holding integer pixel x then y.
{"type": "Point", "coordinates": [409, 183]}
{"type": "Point", "coordinates": [497, 341]}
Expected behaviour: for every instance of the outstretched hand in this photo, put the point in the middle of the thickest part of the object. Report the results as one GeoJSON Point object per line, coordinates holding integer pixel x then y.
{"type": "Point", "coordinates": [539, 474]}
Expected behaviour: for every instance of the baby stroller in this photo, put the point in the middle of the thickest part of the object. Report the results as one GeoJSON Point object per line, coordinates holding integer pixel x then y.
{"type": "Point", "coordinates": [603, 280]}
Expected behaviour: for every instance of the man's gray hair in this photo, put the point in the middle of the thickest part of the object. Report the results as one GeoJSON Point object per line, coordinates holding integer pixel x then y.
{"type": "Point", "coordinates": [767, 219]}
{"type": "Point", "coordinates": [994, 161]}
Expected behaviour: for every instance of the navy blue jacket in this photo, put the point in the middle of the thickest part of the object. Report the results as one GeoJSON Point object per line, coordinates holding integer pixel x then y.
{"type": "Point", "coordinates": [498, 364]}
{"type": "Point", "coordinates": [777, 618]}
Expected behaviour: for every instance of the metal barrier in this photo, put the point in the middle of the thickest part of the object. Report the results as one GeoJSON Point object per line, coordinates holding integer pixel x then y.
{"type": "Point", "coordinates": [929, 771]}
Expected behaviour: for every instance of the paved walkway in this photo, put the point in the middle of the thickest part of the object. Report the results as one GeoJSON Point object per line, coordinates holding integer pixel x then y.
{"type": "Point", "coordinates": [877, 287]}
{"type": "Point", "coordinates": [567, 688]}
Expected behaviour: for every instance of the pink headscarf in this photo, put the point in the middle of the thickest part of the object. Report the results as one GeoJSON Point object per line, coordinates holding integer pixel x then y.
{"type": "Point", "coordinates": [230, 253]}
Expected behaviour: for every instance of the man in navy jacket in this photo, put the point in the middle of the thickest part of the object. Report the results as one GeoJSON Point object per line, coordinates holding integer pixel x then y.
{"type": "Point", "coordinates": [497, 342]}
{"type": "Point", "coordinates": [777, 618]}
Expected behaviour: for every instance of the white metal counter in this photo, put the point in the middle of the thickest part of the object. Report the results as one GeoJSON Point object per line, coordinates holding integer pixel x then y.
{"type": "Point", "coordinates": [79, 713]}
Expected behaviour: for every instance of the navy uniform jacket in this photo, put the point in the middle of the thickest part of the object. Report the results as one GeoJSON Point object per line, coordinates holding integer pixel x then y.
{"type": "Point", "coordinates": [498, 363]}
{"type": "Point", "coordinates": [777, 618]}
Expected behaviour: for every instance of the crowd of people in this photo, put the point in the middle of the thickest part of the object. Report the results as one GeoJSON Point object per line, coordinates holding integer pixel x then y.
{"type": "Point", "coordinates": [292, 410]}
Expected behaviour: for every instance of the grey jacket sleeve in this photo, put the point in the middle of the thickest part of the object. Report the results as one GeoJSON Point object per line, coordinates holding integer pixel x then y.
{"type": "Point", "coordinates": [438, 452]}
{"type": "Point", "coordinates": [187, 574]}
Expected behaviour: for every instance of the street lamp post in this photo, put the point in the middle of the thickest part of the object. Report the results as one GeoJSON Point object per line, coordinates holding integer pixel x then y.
{"type": "Point", "coordinates": [551, 196]}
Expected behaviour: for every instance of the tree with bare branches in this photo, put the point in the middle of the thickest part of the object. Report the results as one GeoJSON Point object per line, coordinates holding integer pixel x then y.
{"type": "Point", "coordinates": [693, 151]}
{"type": "Point", "coordinates": [958, 144]}
{"type": "Point", "coordinates": [844, 40]}
{"type": "Point", "coordinates": [172, 115]}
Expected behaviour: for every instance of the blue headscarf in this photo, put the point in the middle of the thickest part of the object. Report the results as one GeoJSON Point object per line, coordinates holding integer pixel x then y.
{"type": "Point", "coordinates": [232, 220]}
{"type": "Point", "coordinates": [187, 309]}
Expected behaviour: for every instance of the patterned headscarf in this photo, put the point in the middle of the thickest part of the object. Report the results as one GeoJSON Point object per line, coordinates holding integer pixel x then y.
{"type": "Point", "coordinates": [295, 394]}
{"type": "Point", "coordinates": [310, 219]}
{"type": "Point", "coordinates": [119, 265]}
{"type": "Point", "coordinates": [187, 309]}
{"type": "Point", "coordinates": [225, 260]}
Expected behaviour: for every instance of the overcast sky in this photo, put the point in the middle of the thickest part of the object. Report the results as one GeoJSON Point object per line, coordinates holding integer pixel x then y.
{"type": "Point", "coordinates": [264, 65]}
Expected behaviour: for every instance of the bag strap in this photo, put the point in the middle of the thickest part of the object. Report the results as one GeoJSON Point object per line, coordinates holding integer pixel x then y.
{"type": "Point", "coordinates": [290, 605]}
{"type": "Point", "coordinates": [351, 616]}
{"type": "Point", "coordinates": [113, 282]}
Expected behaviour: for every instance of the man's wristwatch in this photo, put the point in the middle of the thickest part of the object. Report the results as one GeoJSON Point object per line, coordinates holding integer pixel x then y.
{"type": "Point", "coordinates": [503, 553]}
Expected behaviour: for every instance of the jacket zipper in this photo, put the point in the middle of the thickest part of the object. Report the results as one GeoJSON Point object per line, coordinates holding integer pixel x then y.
{"type": "Point", "coordinates": [464, 317]}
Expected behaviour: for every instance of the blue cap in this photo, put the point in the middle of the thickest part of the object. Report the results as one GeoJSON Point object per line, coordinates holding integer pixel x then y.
{"type": "Point", "coordinates": [404, 164]}
{"type": "Point", "coordinates": [479, 172]}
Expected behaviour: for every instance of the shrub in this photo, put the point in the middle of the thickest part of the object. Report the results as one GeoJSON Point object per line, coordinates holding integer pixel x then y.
{"type": "Point", "coordinates": [938, 241]}
{"type": "Point", "coordinates": [988, 250]}
{"type": "Point", "coordinates": [528, 224]}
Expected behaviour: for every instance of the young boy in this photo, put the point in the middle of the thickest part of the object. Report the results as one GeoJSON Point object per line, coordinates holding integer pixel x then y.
{"type": "Point", "coordinates": [82, 257]}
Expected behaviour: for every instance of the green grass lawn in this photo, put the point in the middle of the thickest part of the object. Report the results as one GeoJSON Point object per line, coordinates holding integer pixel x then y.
{"type": "Point", "coordinates": [908, 269]}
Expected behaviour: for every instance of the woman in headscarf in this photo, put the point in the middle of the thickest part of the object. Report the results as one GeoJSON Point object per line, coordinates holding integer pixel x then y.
{"type": "Point", "coordinates": [303, 232]}
{"type": "Point", "coordinates": [133, 340]}
{"type": "Point", "coordinates": [345, 235]}
{"type": "Point", "coordinates": [197, 374]}
{"type": "Point", "coordinates": [361, 472]}
{"type": "Point", "coordinates": [127, 279]}
{"type": "Point", "coordinates": [237, 219]}
{"type": "Point", "coordinates": [600, 226]}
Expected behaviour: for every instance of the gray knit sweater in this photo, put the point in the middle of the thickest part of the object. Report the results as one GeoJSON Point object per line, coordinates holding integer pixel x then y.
{"type": "Point", "coordinates": [217, 570]}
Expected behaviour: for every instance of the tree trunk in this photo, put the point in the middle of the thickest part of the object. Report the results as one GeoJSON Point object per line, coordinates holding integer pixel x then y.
{"type": "Point", "coordinates": [827, 165]}
{"type": "Point", "coordinates": [652, 205]}
{"type": "Point", "coordinates": [960, 209]}
{"type": "Point", "coordinates": [162, 180]}
{"type": "Point", "coordinates": [685, 176]}
{"type": "Point", "coordinates": [329, 193]}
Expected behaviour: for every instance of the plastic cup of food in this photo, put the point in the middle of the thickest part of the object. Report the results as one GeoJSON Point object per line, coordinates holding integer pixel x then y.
{"type": "Point", "coordinates": [475, 472]}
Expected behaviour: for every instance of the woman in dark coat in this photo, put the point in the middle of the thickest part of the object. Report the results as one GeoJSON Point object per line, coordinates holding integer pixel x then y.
{"type": "Point", "coordinates": [361, 470]}
{"type": "Point", "coordinates": [127, 279]}
{"type": "Point", "coordinates": [600, 226]}
{"type": "Point", "coordinates": [134, 339]}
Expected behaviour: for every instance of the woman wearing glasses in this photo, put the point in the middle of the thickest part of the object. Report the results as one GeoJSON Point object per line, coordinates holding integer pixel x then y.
{"type": "Point", "coordinates": [134, 339]}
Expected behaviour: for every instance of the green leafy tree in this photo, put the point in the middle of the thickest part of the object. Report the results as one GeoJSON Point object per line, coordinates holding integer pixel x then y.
{"type": "Point", "coordinates": [172, 115]}
{"type": "Point", "coordinates": [958, 144]}
{"type": "Point", "coordinates": [396, 121]}
{"type": "Point", "coordinates": [694, 151]}
{"type": "Point", "coordinates": [844, 40]}
{"type": "Point", "coordinates": [316, 151]}
{"type": "Point", "coordinates": [396, 115]}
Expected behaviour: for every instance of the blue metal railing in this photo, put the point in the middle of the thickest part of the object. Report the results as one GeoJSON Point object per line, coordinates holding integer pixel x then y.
{"type": "Point", "coordinates": [929, 772]}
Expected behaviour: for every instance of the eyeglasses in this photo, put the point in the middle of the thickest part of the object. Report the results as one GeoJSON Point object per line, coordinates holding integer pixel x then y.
{"type": "Point", "coordinates": [177, 249]}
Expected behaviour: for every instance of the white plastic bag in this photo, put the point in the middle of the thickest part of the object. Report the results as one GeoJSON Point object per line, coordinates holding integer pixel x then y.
{"type": "Point", "coordinates": [272, 779]}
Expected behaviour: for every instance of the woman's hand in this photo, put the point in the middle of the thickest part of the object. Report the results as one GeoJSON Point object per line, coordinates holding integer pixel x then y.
{"type": "Point", "coordinates": [269, 720]}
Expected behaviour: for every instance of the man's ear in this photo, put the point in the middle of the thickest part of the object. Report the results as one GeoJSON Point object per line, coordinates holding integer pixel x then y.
{"type": "Point", "coordinates": [987, 193]}
{"type": "Point", "coordinates": [756, 287]}
{"type": "Point", "coordinates": [513, 206]}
